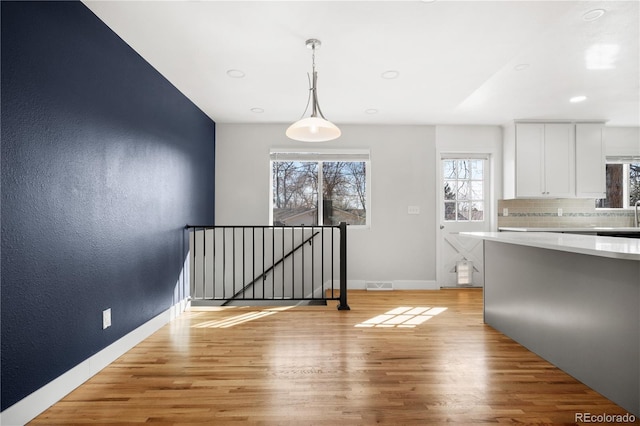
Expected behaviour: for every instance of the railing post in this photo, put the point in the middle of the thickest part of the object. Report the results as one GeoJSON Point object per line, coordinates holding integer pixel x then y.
{"type": "Point", "coordinates": [343, 306]}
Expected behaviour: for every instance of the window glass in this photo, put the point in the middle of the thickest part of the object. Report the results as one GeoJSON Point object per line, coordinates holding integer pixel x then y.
{"type": "Point", "coordinates": [463, 195]}
{"type": "Point", "coordinates": [295, 193]}
{"type": "Point", "coordinates": [623, 186]}
{"type": "Point", "coordinates": [634, 183]}
{"type": "Point", "coordinates": [344, 193]}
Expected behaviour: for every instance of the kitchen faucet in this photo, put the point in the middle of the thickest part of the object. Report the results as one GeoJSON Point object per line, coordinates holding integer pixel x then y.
{"type": "Point", "coordinates": [636, 214]}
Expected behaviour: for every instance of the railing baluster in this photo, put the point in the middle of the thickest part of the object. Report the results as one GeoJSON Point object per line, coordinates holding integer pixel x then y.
{"type": "Point", "coordinates": [224, 262]}
{"type": "Point", "coordinates": [273, 263]}
{"type": "Point", "coordinates": [283, 270]}
{"type": "Point", "coordinates": [293, 263]}
{"type": "Point", "coordinates": [253, 257]}
{"type": "Point", "coordinates": [333, 275]}
{"type": "Point", "coordinates": [233, 258]}
{"type": "Point", "coordinates": [243, 265]}
{"type": "Point", "coordinates": [263, 255]}
{"type": "Point", "coordinates": [193, 273]}
{"type": "Point", "coordinates": [322, 264]}
{"type": "Point", "coordinates": [214, 280]}
{"type": "Point", "coordinates": [204, 263]}
{"type": "Point", "coordinates": [302, 265]}
{"type": "Point", "coordinates": [313, 269]}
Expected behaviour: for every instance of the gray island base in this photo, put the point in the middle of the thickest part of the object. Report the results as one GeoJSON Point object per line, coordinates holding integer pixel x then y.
{"type": "Point", "coordinates": [573, 301]}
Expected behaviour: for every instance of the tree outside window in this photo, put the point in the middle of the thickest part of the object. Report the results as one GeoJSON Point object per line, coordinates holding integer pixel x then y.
{"type": "Point", "coordinates": [623, 186]}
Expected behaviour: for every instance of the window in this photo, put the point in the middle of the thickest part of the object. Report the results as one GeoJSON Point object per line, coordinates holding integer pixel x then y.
{"type": "Point", "coordinates": [463, 190]}
{"type": "Point", "coordinates": [623, 184]}
{"type": "Point", "coordinates": [312, 188]}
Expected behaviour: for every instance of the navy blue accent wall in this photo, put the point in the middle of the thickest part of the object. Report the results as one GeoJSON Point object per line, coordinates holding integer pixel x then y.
{"type": "Point", "coordinates": [103, 163]}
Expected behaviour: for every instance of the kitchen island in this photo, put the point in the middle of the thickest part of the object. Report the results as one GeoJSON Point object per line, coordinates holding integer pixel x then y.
{"type": "Point", "coordinates": [627, 232]}
{"type": "Point", "coordinates": [575, 230]}
{"type": "Point", "coordinates": [572, 299]}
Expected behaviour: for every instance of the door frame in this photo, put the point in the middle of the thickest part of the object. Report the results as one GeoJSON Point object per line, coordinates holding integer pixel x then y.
{"type": "Point", "coordinates": [490, 198]}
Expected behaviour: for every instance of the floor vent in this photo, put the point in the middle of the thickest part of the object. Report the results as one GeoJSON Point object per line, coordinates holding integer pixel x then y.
{"type": "Point", "coordinates": [378, 285]}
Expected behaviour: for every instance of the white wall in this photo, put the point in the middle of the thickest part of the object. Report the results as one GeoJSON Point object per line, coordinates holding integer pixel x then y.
{"type": "Point", "coordinates": [622, 140]}
{"type": "Point", "coordinates": [396, 247]}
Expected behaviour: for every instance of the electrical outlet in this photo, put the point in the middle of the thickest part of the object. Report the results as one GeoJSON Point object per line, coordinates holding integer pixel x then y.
{"type": "Point", "coordinates": [413, 210]}
{"type": "Point", "coordinates": [559, 212]}
{"type": "Point", "coordinates": [106, 318]}
{"type": "Point", "coordinates": [505, 212]}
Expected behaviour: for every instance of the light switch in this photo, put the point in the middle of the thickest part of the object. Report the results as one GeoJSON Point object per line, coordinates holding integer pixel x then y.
{"type": "Point", "coordinates": [106, 318]}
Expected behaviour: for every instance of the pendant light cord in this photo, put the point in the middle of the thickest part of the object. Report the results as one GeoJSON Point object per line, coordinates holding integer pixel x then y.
{"type": "Point", "coordinates": [313, 94]}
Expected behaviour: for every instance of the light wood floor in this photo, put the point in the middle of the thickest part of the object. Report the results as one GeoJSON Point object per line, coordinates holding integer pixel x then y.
{"type": "Point", "coordinates": [316, 365]}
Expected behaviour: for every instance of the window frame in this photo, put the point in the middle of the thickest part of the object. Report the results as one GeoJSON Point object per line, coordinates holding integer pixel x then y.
{"type": "Point", "coordinates": [625, 183]}
{"type": "Point", "coordinates": [319, 156]}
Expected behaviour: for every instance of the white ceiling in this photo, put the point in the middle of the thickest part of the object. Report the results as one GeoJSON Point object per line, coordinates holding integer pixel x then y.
{"type": "Point", "coordinates": [456, 59]}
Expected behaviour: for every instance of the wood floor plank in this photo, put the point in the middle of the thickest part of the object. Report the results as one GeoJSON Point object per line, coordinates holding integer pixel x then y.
{"type": "Point", "coordinates": [375, 364]}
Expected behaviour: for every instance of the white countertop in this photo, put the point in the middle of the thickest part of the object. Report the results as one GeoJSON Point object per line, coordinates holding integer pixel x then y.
{"type": "Point", "coordinates": [613, 247]}
{"type": "Point", "coordinates": [593, 229]}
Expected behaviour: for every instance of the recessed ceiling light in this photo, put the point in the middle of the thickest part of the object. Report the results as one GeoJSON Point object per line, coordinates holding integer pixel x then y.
{"type": "Point", "coordinates": [521, 67]}
{"type": "Point", "coordinates": [577, 99]}
{"type": "Point", "coordinates": [257, 110]}
{"type": "Point", "coordinates": [592, 15]}
{"type": "Point", "coordinates": [235, 73]}
{"type": "Point", "coordinates": [390, 75]}
{"type": "Point", "coordinates": [371, 111]}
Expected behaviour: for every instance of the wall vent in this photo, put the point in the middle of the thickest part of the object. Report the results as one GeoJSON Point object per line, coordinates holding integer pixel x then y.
{"type": "Point", "coordinates": [378, 285]}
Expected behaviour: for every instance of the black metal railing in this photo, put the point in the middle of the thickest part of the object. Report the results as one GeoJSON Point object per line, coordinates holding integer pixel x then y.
{"type": "Point", "coordinates": [268, 263]}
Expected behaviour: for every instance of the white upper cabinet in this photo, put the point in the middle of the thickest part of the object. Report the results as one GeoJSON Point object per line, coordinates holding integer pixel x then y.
{"type": "Point", "coordinates": [529, 151]}
{"type": "Point", "coordinates": [544, 160]}
{"type": "Point", "coordinates": [559, 160]}
{"type": "Point", "coordinates": [556, 160]}
{"type": "Point", "coordinates": [590, 161]}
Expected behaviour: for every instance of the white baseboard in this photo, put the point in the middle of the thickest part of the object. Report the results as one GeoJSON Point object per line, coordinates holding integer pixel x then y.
{"type": "Point", "coordinates": [398, 284]}
{"type": "Point", "coordinates": [34, 404]}
{"type": "Point", "coordinates": [356, 285]}
{"type": "Point", "coordinates": [415, 285]}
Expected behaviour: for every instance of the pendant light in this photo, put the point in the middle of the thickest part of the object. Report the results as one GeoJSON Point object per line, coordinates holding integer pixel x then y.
{"type": "Point", "coordinates": [314, 128]}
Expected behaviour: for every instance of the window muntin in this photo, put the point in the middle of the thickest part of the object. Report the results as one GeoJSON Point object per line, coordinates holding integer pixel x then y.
{"type": "Point", "coordinates": [623, 185]}
{"type": "Point", "coordinates": [319, 189]}
{"type": "Point", "coordinates": [463, 190]}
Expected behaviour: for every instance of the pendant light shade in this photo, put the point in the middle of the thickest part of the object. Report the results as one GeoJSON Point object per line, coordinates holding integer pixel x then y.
{"type": "Point", "coordinates": [315, 128]}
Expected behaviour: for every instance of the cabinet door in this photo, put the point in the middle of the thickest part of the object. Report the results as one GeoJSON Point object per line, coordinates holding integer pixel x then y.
{"type": "Point", "coordinates": [559, 160]}
{"type": "Point", "coordinates": [529, 160]}
{"type": "Point", "coordinates": [590, 161]}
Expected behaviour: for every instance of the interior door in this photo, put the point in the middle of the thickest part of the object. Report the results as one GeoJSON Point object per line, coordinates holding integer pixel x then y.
{"type": "Point", "coordinates": [464, 205]}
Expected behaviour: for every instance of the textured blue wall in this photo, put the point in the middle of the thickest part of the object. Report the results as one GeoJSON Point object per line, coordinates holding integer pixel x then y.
{"type": "Point", "coordinates": [103, 163]}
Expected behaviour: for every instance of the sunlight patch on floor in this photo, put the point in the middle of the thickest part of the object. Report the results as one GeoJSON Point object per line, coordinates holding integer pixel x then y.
{"type": "Point", "coordinates": [242, 318]}
{"type": "Point", "coordinates": [402, 317]}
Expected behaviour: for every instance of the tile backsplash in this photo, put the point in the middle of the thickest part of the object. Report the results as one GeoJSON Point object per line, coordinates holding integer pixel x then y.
{"type": "Point", "coordinates": [576, 212]}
